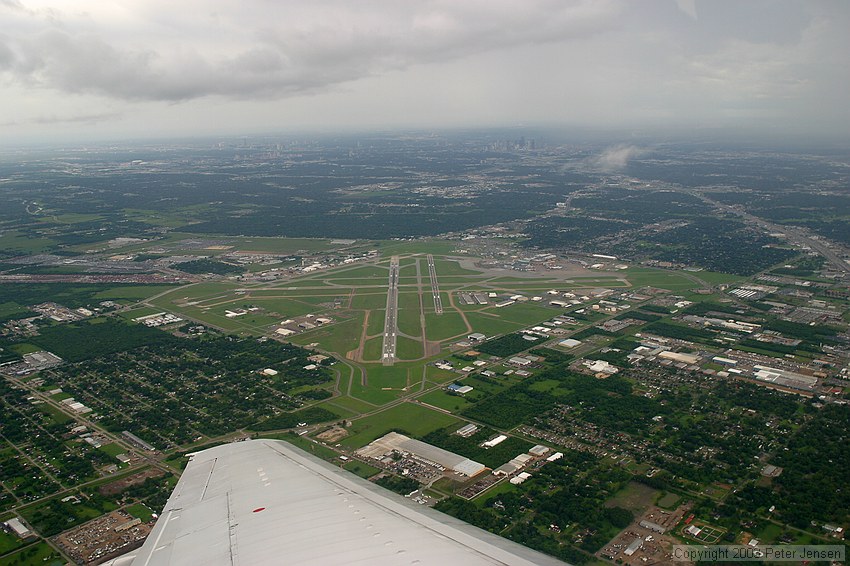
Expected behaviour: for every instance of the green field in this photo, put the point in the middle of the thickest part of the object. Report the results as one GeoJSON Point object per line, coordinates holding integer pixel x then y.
{"type": "Point", "coordinates": [409, 314]}
{"type": "Point", "coordinates": [397, 376]}
{"type": "Point", "coordinates": [450, 267]}
{"type": "Point", "coordinates": [407, 349]}
{"type": "Point", "coordinates": [9, 542]}
{"type": "Point", "coordinates": [413, 419]}
{"type": "Point", "coordinates": [349, 403]}
{"type": "Point", "coordinates": [56, 415]}
{"type": "Point", "coordinates": [371, 300]}
{"type": "Point", "coordinates": [525, 313]}
{"type": "Point", "coordinates": [41, 553]}
{"type": "Point", "coordinates": [444, 326]}
{"type": "Point", "coordinates": [361, 469]}
{"type": "Point", "coordinates": [369, 272]}
{"type": "Point", "coordinates": [113, 449]}
{"type": "Point", "coordinates": [491, 324]}
{"type": "Point", "coordinates": [140, 511]}
{"type": "Point", "coordinates": [21, 243]}
{"type": "Point", "coordinates": [674, 281]}
{"type": "Point", "coordinates": [442, 399]}
{"type": "Point", "coordinates": [373, 349]}
{"type": "Point", "coordinates": [339, 338]}
{"type": "Point", "coordinates": [282, 245]}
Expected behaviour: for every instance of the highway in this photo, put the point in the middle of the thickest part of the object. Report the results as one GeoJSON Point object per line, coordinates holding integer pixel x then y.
{"type": "Point", "coordinates": [793, 234]}
{"type": "Point", "coordinates": [435, 287]}
{"type": "Point", "coordinates": [391, 319]}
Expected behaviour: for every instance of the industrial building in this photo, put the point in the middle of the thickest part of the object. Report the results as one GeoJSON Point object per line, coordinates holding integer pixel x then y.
{"type": "Point", "coordinates": [459, 389]}
{"type": "Point", "coordinates": [467, 430]}
{"type": "Point", "coordinates": [784, 378]}
{"type": "Point", "coordinates": [15, 526]}
{"type": "Point", "coordinates": [655, 527]}
{"type": "Point", "coordinates": [394, 442]}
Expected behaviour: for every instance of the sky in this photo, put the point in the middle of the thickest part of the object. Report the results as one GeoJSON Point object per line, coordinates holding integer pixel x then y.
{"type": "Point", "coordinates": [91, 69]}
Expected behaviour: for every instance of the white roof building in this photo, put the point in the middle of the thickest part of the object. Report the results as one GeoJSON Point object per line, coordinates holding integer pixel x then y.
{"type": "Point", "coordinates": [18, 528]}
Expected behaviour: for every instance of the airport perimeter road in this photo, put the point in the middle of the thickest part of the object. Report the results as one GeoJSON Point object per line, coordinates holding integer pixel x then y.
{"type": "Point", "coordinates": [435, 287]}
{"type": "Point", "coordinates": [391, 320]}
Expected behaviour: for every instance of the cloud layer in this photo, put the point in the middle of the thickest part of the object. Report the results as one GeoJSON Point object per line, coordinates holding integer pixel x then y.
{"type": "Point", "coordinates": [192, 64]}
{"type": "Point", "coordinates": [283, 49]}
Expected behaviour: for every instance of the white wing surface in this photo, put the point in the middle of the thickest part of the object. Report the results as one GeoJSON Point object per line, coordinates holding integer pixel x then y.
{"type": "Point", "coordinates": [267, 502]}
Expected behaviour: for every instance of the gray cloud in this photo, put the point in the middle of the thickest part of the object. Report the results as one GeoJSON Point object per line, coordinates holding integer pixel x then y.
{"type": "Point", "coordinates": [286, 57]}
{"type": "Point", "coordinates": [203, 65]}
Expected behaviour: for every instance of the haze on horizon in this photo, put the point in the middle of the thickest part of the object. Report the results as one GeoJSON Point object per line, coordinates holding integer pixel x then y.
{"type": "Point", "coordinates": [133, 68]}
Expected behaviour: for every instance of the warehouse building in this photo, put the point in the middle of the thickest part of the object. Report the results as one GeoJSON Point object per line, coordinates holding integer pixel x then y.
{"type": "Point", "coordinates": [433, 455]}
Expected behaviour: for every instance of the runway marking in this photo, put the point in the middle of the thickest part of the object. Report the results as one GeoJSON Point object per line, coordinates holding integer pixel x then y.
{"type": "Point", "coordinates": [435, 287]}
{"type": "Point", "coordinates": [388, 356]}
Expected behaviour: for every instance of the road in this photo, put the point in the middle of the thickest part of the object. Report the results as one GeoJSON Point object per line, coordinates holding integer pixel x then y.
{"type": "Point", "coordinates": [388, 356]}
{"type": "Point", "coordinates": [435, 286]}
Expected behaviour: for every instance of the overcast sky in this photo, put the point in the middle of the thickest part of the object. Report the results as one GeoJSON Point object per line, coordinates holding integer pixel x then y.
{"type": "Point", "coordinates": [95, 68]}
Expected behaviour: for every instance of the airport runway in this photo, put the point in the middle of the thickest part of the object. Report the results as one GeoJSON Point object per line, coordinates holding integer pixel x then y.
{"type": "Point", "coordinates": [391, 320]}
{"type": "Point", "coordinates": [435, 287]}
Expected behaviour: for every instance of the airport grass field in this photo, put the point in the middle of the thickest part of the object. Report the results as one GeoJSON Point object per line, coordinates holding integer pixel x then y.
{"type": "Point", "coordinates": [352, 302]}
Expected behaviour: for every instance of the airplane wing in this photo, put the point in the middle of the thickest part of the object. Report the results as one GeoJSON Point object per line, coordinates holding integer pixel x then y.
{"type": "Point", "coordinates": [268, 502]}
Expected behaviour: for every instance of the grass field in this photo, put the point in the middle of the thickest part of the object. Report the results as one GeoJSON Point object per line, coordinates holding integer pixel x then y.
{"type": "Point", "coordinates": [369, 272]}
{"type": "Point", "coordinates": [286, 307]}
{"type": "Point", "coordinates": [436, 247]}
{"type": "Point", "coordinates": [407, 349]}
{"type": "Point", "coordinates": [376, 322]}
{"type": "Point", "coordinates": [314, 448]}
{"type": "Point", "coordinates": [41, 553]}
{"type": "Point", "coordinates": [408, 314]}
{"type": "Point", "coordinates": [635, 497]}
{"type": "Point", "coordinates": [443, 400]}
{"type": "Point", "coordinates": [282, 245]}
{"type": "Point", "coordinates": [349, 403]}
{"type": "Point", "coordinates": [640, 277]}
{"type": "Point", "coordinates": [8, 542]}
{"type": "Point", "coordinates": [15, 241]}
{"type": "Point", "coordinates": [444, 326]}
{"type": "Point", "coordinates": [491, 324]}
{"type": "Point", "coordinates": [437, 375]}
{"type": "Point", "coordinates": [339, 338]}
{"type": "Point", "coordinates": [140, 511]}
{"type": "Point", "coordinates": [113, 449]}
{"type": "Point", "coordinates": [373, 349]}
{"type": "Point", "coordinates": [25, 348]}
{"type": "Point", "coordinates": [11, 308]}
{"type": "Point", "coordinates": [57, 416]}
{"type": "Point", "coordinates": [669, 500]}
{"type": "Point", "coordinates": [361, 469]}
{"type": "Point", "coordinates": [371, 395]}
{"type": "Point", "coordinates": [398, 376]}
{"type": "Point", "coordinates": [451, 267]}
{"type": "Point", "coordinates": [371, 300]}
{"type": "Point", "coordinates": [525, 313]}
{"type": "Point", "coordinates": [414, 419]}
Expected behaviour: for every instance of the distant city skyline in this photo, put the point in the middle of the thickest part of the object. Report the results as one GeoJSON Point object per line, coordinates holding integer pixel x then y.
{"type": "Point", "coordinates": [88, 70]}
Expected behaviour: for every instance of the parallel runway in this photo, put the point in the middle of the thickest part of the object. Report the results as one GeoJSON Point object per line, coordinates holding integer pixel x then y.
{"type": "Point", "coordinates": [391, 319]}
{"type": "Point", "coordinates": [435, 287]}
